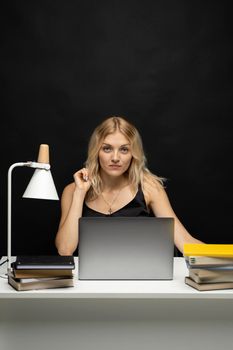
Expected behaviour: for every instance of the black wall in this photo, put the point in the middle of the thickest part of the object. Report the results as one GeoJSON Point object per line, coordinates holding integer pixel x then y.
{"type": "Point", "coordinates": [165, 65]}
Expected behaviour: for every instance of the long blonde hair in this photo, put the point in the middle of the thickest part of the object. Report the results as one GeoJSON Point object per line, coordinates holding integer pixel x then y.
{"type": "Point", "coordinates": [138, 173]}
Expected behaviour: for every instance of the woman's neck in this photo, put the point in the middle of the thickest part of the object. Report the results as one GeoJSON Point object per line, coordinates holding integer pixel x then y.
{"type": "Point", "coordinates": [111, 184]}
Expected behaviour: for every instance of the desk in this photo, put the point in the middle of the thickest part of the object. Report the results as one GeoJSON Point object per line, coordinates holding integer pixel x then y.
{"type": "Point", "coordinates": [111, 315]}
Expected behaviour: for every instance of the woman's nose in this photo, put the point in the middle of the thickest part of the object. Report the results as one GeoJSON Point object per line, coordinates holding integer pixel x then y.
{"type": "Point", "coordinates": [115, 157]}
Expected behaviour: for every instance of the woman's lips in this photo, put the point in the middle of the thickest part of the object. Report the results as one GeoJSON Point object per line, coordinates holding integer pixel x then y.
{"type": "Point", "coordinates": [114, 166]}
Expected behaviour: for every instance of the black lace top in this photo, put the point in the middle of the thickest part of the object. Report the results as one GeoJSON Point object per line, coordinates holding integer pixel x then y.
{"type": "Point", "coordinates": [136, 207]}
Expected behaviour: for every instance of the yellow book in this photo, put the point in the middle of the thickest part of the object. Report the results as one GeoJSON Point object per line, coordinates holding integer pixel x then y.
{"type": "Point", "coordinates": [215, 250]}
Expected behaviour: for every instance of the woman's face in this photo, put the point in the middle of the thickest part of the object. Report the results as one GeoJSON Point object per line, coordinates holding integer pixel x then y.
{"type": "Point", "coordinates": [115, 154]}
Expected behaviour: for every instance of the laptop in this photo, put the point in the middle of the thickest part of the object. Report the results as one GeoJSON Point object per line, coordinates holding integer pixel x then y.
{"type": "Point", "coordinates": [126, 248]}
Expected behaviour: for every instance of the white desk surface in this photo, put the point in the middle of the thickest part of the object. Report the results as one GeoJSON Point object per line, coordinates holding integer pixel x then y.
{"type": "Point", "coordinates": [174, 289]}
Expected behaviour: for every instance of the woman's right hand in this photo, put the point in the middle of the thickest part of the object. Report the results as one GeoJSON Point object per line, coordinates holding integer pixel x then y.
{"type": "Point", "coordinates": [82, 180]}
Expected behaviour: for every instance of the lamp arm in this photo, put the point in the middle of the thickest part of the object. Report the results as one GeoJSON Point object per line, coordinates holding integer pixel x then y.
{"type": "Point", "coordinates": [9, 200]}
{"type": "Point", "coordinates": [9, 207]}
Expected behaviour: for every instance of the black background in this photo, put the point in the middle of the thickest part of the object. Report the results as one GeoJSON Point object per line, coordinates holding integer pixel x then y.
{"type": "Point", "coordinates": [165, 65]}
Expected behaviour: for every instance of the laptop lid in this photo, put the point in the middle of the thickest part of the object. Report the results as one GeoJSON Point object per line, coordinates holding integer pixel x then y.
{"type": "Point", "coordinates": [126, 248]}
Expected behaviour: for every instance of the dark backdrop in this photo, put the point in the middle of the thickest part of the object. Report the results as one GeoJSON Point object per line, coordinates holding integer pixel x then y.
{"type": "Point", "coordinates": [165, 65]}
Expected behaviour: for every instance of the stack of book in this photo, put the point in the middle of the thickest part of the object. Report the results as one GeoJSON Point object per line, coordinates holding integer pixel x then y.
{"type": "Point", "coordinates": [210, 266]}
{"type": "Point", "coordinates": [41, 272]}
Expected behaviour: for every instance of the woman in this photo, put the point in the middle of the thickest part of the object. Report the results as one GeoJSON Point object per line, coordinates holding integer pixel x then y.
{"type": "Point", "coordinates": [114, 182]}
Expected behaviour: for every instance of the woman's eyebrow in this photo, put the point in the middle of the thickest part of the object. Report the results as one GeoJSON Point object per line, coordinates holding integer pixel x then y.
{"type": "Point", "coordinates": [108, 144]}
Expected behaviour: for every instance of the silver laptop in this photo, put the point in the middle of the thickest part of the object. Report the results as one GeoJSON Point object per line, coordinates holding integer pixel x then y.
{"type": "Point", "coordinates": [126, 248]}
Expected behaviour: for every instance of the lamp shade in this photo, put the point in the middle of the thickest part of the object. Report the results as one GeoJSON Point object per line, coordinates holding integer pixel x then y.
{"type": "Point", "coordinates": [41, 186]}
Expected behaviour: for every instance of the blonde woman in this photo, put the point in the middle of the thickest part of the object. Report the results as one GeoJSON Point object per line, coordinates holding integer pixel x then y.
{"type": "Point", "coordinates": [116, 182]}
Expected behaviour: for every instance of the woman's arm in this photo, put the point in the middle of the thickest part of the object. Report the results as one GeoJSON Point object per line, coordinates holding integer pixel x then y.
{"type": "Point", "coordinates": [158, 201]}
{"type": "Point", "coordinates": [72, 200]}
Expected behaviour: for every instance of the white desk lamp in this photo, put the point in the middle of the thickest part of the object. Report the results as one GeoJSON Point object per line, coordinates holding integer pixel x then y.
{"type": "Point", "coordinates": [41, 186]}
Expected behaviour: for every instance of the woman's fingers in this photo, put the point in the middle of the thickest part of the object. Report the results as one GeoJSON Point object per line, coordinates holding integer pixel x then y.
{"type": "Point", "coordinates": [81, 177]}
{"type": "Point", "coordinates": [85, 174]}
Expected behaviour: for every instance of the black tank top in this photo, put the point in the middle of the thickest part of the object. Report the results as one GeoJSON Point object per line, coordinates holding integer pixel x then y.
{"type": "Point", "coordinates": [136, 207]}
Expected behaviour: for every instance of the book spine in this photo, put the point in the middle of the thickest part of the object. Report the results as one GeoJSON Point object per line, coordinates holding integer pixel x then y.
{"type": "Point", "coordinates": [211, 279]}
{"type": "Point", "coordinates": [205, 260]}
{"type": "Point", "coordinates": [211, 250]}
{"type": "Point", "coordinates": [210, 267]}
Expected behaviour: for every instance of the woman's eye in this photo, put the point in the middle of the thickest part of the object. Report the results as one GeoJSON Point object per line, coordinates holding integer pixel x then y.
{"type": "Point", "coordinates": [124, 149]}
{"type": "Point", "coordinates": [106, 149]}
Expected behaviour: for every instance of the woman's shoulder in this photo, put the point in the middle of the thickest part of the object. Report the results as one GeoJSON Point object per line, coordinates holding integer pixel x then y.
{"type": "Point", "coordinates": [69, 189]}
{"type": "Point", "coordinates": [152, 190]}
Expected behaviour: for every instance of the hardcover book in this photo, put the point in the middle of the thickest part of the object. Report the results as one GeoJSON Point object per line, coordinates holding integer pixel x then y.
{"type": "Point", "coordinates": [41, 262]}
{"type": "Point", "coordinates": [23, 284]}
{"type": "Point", "coordinates": [210, 276]}
{"type": "Point", "coordinates": [211, 250]}
{"type": "Point", "coordinates": [208, 260]}
{"type": "Point", "coordinates": [210, 267]}
{"type": "Point", "coordinates": [33, 273]}
{"type": "Point", "coordinates": [208, 286]}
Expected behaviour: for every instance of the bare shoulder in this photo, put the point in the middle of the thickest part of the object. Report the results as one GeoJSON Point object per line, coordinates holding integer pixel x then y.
{"type": "Point", "coordinates": [68, 190]}
{"type": "Point", "coordinates": [153, 192]}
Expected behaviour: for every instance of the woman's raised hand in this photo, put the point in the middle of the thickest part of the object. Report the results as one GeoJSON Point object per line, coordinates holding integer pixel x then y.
{"type": "Point", "coordinates": [82, 180]}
